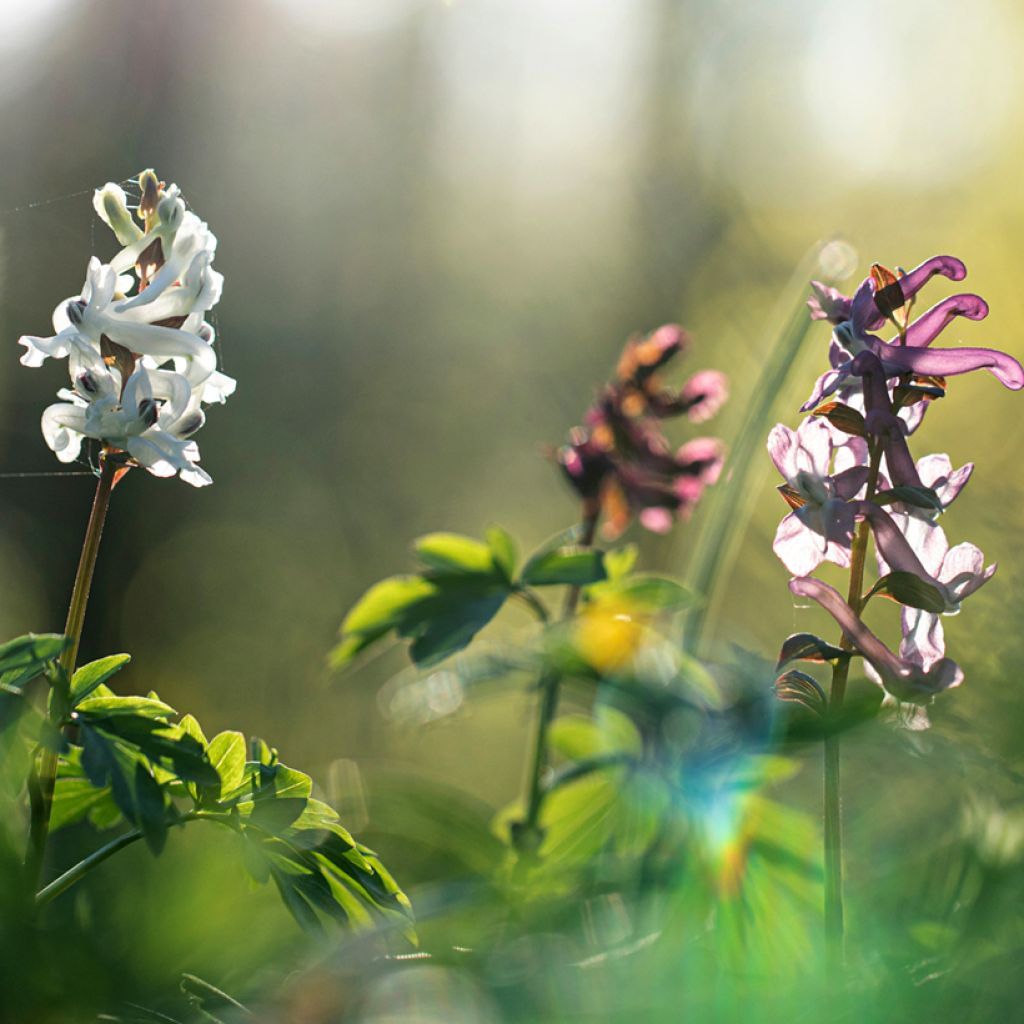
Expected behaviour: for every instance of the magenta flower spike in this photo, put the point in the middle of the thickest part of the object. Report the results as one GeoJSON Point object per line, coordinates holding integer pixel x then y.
{"type": "Point", "coordinates": [882, 390]}
{"type": "Point", "coordinates": [621, 464]}
{"type": "Point", "coordinates": [909, 352]}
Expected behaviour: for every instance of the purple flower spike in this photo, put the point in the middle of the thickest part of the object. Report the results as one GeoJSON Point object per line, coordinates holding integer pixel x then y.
{"type": "Point", "coordinates": [903, 678]}
{"type": "Point", "coordinates": [927, 327]}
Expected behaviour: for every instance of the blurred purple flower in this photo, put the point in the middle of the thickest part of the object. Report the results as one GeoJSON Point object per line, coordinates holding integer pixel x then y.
{"type": "Point", "coordinates": [620, 462]}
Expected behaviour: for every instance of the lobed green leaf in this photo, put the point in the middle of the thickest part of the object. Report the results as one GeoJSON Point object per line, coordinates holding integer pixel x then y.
{"type": "Point", "coordinates": [569, 566]}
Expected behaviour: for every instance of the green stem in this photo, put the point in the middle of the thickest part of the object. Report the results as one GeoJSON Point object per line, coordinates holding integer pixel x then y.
{"type": "Point", "coordinates": [834, 915]}
{"type": "Point", "coordinates": [76, 873]}
{"type": "Point", "coordinates": [548, 686]}
{"type": "Point", "coordinates": [43, 779]}
{"type": "Point", "coordinates": [534, 603]}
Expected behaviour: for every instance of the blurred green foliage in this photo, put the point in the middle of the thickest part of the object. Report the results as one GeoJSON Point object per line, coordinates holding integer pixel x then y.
{"type": "Point", "coordinates": [438, 222]}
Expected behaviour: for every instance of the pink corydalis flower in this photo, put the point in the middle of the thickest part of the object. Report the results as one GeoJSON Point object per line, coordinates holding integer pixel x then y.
{"type": "Point", "coordinates": [621, 464]}
{"type": "Point", "coordinates": [820, 526]}
{"type": "Point", "coordinates": [821, 488]}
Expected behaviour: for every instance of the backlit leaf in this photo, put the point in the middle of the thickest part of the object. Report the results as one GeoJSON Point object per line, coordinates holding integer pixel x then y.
{"type": "Point", "coordinates": [570, 566]}
{"type": "Point", "coordinates": [89, 677]}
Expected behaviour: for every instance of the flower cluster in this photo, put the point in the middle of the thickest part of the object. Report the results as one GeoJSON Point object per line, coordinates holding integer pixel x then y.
{"type": "Point", "coordinates": [620, 463]}
{"type": "Point", "coordinates": [849, 473]}
{"type": "Point", "coordinates": [140, 352]}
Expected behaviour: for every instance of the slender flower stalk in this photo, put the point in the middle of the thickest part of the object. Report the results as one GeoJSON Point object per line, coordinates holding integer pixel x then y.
{"type": "Point", "coordinates": [547, 708]}
{"type": "Point", "coordinates": [834, 911]}
{"type": "Point", "coordinates": [42, 785]}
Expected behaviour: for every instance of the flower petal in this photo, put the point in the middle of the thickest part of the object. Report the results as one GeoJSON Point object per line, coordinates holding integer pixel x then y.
{"type": "Point", "coordinates": [927, 327]}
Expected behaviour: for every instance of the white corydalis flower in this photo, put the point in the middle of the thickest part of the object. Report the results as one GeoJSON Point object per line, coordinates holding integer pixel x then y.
{"type": "Point", "coordinates": [152, 418]}
{"type": "Point", "coordinates": [140, 353]}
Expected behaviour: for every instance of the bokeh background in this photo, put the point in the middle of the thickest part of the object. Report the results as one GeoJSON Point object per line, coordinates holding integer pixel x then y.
{"type": "Point", "coordinates": [438, 221]}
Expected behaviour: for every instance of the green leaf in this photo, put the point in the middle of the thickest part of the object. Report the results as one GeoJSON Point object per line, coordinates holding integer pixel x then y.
{"type": "Point", "coordinates": [151, 805]}
{"type": "Point", "coordinates": [575, 737]}
{"type": "Point", "coordinates": [90, 676]}
{"type": "Point", "coordinates": [504, 550]}
{"type": "Point", "coordinates": [158, 741]}
{"type": "Point", "coordinates": [919, 497]}
{"type": "Point", "coordinates": [75, 799]}
{"type": "Point", "coordinates": [278, 814]}
{"type": "Point", "coordinates": [451, 552]}
{"type": "Point", "coordinates": [105, 707]}
{"type": "Point", "coordinates": [621, 562]}
{"type": "Point", "coordinates": [31, 649]}
{"type": "Point", "coordinates": [227, 755]}
{"type": "Point", "coordinates": [908, 589]}
{"type": "Point", "coordinates": [191, 727]}
{"type": "Point", "coordinates": [272, 782]}
{"type": "Point", "coordinates": [808, 647]}
{"type": "Point", "coordinates": [351, 646]}
{"type": "Point", "coordinates": [570, 566]}
{"type": "Point", "coordinates": [290, 782]}
{"type": "Point", "coordinates": [26, 657]}
{"type": "Point", "coordinates": [610, 732]}
{"type": "Point", "coordinates": [648, 592]}
{"type": "Point", "coordinates": [457, 622]}
{"type": "Point", "coordinates": [321, 876]}
{"type": "Point", "coordinates": [104, 765]}
{"type": "Point", "coordinates": [388, 603]}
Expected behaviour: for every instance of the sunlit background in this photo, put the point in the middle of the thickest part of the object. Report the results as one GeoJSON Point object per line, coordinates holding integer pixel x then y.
{"type": "Point", "coordinates": [438, 220]}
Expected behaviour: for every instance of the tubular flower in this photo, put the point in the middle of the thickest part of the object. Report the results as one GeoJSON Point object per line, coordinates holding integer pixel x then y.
{"type": "Point", "coordinates": [621, 464]}
{"type": "Point", "coordinates": [904, 678]}
{"type": "Point", "coordinates": [882, 296]}
{"type": "Point", "coordinates": [820, 526]}
{"type": "Point", "coordinates": [140, 354]}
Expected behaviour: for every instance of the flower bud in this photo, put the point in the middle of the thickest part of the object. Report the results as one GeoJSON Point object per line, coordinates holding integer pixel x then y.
{"type": "Point", "coordinates": [111, 206]}
{"type": "Point", "coordinates": [152, 191]}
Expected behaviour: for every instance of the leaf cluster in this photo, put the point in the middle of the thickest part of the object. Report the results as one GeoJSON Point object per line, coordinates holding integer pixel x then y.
{"type": "Point", "coordinates": [131, 760]}
{"type": "Point", "coordinates": [461, 586]}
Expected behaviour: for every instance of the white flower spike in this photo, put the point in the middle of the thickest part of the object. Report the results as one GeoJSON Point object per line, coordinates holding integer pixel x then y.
{"type": "Point", "coordinates": [140, 354]}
